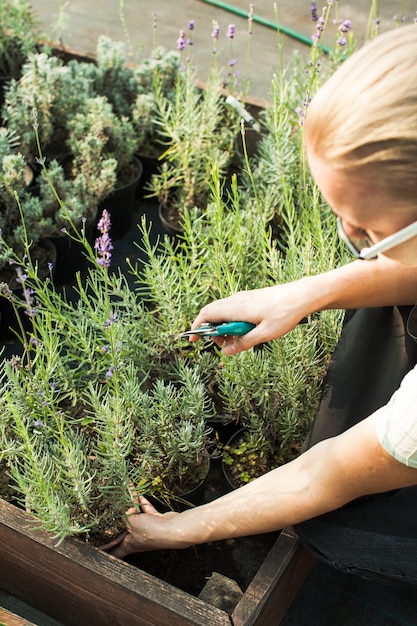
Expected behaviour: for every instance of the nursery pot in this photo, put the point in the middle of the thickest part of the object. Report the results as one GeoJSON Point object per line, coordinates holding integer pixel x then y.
{"type": "Point", "coordinates": [195, 495]}
{"type": "Point", "coordinates": [229, 469]}
{"type": "Point", "coordinates": [121, 203]}
{"type": "Point", "coordinates": [169, 220]}
{"type": "Point", "coordinates": [222, 428]}
{"type": "Point", "coordinates": [150, 165]}
{"type": "Point", "coordinates": [242, 463]}
{"type": "Point", "coordinates": [4, 80]}
{"type": "Point", "coordinates": [185, 498]}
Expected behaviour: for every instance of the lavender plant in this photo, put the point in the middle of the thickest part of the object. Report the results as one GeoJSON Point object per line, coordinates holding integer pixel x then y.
{"type": "Point", "coordinates": [56, 91]}
{"type": "Point", "coordinates": [77, 408]}
{"type": "Point", "coordinates": [18, 36]}
{"type": "Point", "coordinates": [97, 135]}
{"type": "Point", "coordinates": [173, 433]}
{"type": "Point", "coordinates": [197, 129]}
{"type": "Point", "coordinates": [104, 402]}
{"type": "Point", "coordinates": [15, 177]}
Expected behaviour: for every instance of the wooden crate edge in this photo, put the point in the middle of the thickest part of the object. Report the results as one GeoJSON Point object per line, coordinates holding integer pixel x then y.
{"type": "Point", "coordinates": [81, 582]}
{"type": "Point", "coordinates": [276, 584]}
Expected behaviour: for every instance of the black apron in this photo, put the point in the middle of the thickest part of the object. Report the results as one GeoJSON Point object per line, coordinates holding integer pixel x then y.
{"type": "Point", "coordinates": [373, 355]}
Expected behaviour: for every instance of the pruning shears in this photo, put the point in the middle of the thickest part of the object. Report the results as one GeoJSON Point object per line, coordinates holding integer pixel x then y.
{"type": "Point", "coordinates": [219, 330]}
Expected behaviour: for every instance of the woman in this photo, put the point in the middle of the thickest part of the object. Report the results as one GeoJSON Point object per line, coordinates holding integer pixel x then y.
{"type": "Point", "coordinates": [361, 143]}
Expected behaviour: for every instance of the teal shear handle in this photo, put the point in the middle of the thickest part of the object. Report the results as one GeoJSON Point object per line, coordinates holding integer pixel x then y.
{"type": "Point", "coordinates": [230, 328]}
{"type": "Point", "coordinates": [218, 330]}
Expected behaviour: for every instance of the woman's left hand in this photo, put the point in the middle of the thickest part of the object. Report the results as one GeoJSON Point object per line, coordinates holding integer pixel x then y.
{"type": "Point", "coordinates": [144, 527]}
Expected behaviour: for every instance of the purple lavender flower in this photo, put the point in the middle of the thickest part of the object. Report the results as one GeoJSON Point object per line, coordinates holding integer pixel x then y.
{"type": "Point", "coordinates": [302, 111]}
{"type": "Point", "coordinates": [250, 18]}
{"type": "Point", "coordinates": [104, 222]}
{"type": "Point", "coordinates": [105, 349]}
{"type": "Point", "coordinates": [38, 424]}
{"type": "Point", "coordinates": [313, 10]}
{"type": "Point", "coordinates": [113, 318]}
{"type": "Point", "coordinates": [216, 31]}
{"type": "Point", "coordinates": [232, 62]}
{"type": "Point", "coordinates": [191, 25]}
{"type": "Point", "coordinates": [105, 247]}
{"type": "Point", "coordinates": [30, 310]}
{"type": "Point", "coordinates": [109, 372]}
{"type": "Point", "coordinates": [103, 243]}
{"type": "Point", "coordinates": [154, 20]}
{"type": "Point", "coordinates": [231, 31]}
{"type": "Point", "coordinates": [344, 28]}
{"type": "Point", "coordinates": [319, 29]}
{"type": "Point", "coordinates": [21, 277]}
{"type": "Point", "coordinates": [181, 41]}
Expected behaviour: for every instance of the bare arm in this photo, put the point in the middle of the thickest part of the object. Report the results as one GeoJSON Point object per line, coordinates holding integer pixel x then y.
{"type": "Point", "coordinates": [276, 310]}
{"type": "Point", "coordinates": [330, 474]}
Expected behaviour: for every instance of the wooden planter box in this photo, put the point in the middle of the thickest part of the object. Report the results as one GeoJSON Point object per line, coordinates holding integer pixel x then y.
{"type": "Point", "coordinates": [76, 583]}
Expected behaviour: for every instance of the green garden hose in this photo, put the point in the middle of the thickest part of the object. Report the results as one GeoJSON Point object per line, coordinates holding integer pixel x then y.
{"type": "Point", "coordinates": [264, 21]}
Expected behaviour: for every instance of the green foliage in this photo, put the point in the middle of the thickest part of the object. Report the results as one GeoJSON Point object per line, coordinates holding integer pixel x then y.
{"type": "Point", "coordinates": [56, 92]}
{"type": "Point", "coordinates": [104, 401]}
{"type": "Point", "coordinates": [97, 133]}
{"type": "Point", "coordinates": [197, 130]}
{"type": "Point", "coordinates": [18, 36]}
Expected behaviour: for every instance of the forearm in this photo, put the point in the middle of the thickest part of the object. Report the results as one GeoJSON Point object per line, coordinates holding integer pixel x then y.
{"type": "Point", "coordinates": [277, 310]}
{"type": "Point", "coordinates": [324, 478]}
{"type": "Point", "coordinates": [277, 499]}
{"type": "Point", "coordinates": [363, 284]}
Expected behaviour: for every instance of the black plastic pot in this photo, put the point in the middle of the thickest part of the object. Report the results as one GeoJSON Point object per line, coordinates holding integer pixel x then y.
{"type": "Point", "coordinates": [185, 500]}
{"type": "Point", "coordinates": [170, 227]}
{"type": "Point", "coordinates": [151, 165]}
{"type": "Point", "coordinates": [234, 441]}
{"type": "Point", "coordinates": [121, 204]}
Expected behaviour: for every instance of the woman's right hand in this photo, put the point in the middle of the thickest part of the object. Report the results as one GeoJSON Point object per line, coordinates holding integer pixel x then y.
{"type": "Point", "coordinates": [275, 311]}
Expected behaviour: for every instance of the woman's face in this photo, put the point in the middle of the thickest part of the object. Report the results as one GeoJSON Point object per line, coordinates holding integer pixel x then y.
{"type": "Point", "coordinates": [363, 209]}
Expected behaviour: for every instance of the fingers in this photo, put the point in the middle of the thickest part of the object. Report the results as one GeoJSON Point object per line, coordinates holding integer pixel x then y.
{"type": "Point", "coordinates": [124, 548]}
{"type": "Point", "coordinates": [147, 507]}
{"type": "Point", "coordinates": [234, 345]}
{"type": "Point", "coordinates": [208, 314]}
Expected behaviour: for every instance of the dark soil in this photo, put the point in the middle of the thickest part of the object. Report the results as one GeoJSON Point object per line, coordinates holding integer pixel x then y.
{"type": "Point", "coordinates": [189, 569]}
{"type": "Point", "coordinates": [6, 491]}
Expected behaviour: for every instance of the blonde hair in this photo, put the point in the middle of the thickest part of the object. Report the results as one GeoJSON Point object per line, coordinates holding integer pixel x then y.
{"type": "Point", "coordinates": [364, 118]}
